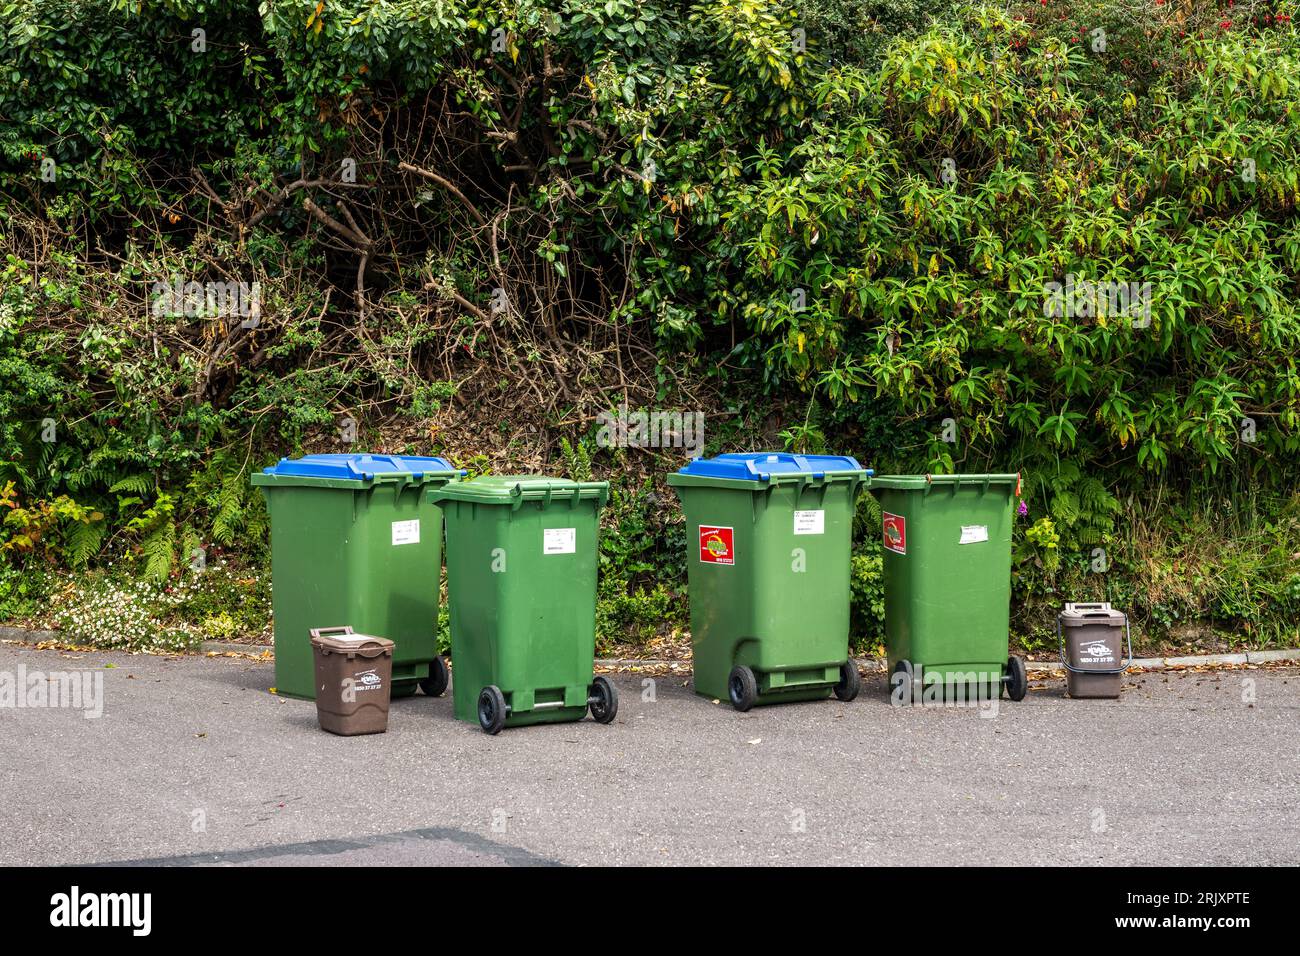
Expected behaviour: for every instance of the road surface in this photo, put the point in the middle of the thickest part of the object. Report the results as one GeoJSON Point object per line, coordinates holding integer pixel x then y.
{"type": "Point", "coordinates": [194, 761]}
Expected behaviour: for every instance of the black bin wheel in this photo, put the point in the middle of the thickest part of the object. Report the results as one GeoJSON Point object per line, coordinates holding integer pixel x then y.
{"type": "Point", "coordinates": [491, 709]}
{"type": "Point", "coordinates": [603, 700]}
{"type": "Point", "coordinates": [903, 690]}
{"type": "Point", "coordinates": [435, 685]}
{"type": "Point", "coordinates": [1017, 678]}
{"type": "Point", "coordinates": [742, 688]}
{"type": "Point", "coordinates": [850, 681]}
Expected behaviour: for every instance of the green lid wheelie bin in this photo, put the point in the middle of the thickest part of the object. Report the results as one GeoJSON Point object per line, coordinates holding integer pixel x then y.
{"type": "Point", "coordinates": [947, 569]}
{"type": "Point", "coordinates": [769, 545]}
{"type": "Point", "coordinates": [354, 543]}
{"type": "Point", "coordinates": [521, 586]}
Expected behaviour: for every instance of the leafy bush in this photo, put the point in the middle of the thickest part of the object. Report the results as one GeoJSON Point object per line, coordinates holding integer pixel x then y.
{"type": "Point", "coordinates": [867, 584]}
{"type": "Point", "coordinates": [115, 610]}
{"type": "Point", "coordinates": [476, 225]}
{"type": "Point", "coordinates": [111, 612]}
{"type": "Point", "coordinates": [24, 592]}
{"type": "Point", "coordinates": [633, 617]}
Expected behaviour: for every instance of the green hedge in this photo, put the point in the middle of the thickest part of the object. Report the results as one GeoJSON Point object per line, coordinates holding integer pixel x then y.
{"type": "Point", "coordinates": [834, 225]}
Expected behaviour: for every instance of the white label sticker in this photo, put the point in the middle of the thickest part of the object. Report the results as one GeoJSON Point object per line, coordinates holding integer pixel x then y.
{"type": "Point", "coordinates": [559, 541]}
{"type": "Point", "coordinates": [406, 532]}
{"type": "Point", "coordinates": [810, 522]}
{"type": "Point", "coordinates": [971, 533]}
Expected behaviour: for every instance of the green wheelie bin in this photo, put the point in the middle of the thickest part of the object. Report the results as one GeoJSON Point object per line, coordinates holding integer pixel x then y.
{"type": "Point", "coordinates": [355, 543]}
{"type": "Point", "coordinates": [768, 563]}
{"type": "Point", "coordinates": [521, 586]}
{"type": "Point", "coordinates": [947, 569]}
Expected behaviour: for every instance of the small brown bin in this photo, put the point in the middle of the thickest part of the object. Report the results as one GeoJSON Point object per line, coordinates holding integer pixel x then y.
{"type": "Point", "coordinates": [1093, 638]}
{"type": "Point", "coordinates": [353, 677]}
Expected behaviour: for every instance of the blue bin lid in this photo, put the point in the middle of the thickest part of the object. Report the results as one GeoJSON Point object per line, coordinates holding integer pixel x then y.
{"type": "Point", "coordinates": [762, 465]}
{"type": "Point", "coordinates": [356, 467]}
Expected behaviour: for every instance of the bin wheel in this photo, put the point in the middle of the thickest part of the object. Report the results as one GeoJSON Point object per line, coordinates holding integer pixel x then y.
{"type": "Point", "coordinates": [603, 700]}
{"type": "Point", "coordinates": [850, 681]}
{"type": "Point", "coordinates": [1017, 678]}
{"type": "Point", "coordinates": [909, 681]}
{"type": "Point", "coordinates": [435, 685]}
{"type": "Point", "coordinates": [491, 709]}
{"type": "Point", "coordinates": [742, 687]}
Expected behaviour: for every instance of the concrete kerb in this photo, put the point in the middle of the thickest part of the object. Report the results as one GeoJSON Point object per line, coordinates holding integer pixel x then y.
{"type": "Point", "coordinates": [874, 664]}
{"type": "Point", "coordinates": [21, 635]}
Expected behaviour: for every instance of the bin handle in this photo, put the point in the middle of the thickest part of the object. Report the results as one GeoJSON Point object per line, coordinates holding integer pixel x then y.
{"type": "Point", "coordinates": [517, 493]}
{"type": "Point", "coordinates": [826, 476]}
{"type": "Point", "coordinates": [802, 474]}
{"type": "Point", "coordinates": [798, 478]}
{"type": "Point", "coordinates": [394, 477]}
{"type": "Point", "coordinates": [1128, 637]}
{"type": "Point", "coordinates": [323, 631]}
{"type": "Point", "coordinates": [984, 480]}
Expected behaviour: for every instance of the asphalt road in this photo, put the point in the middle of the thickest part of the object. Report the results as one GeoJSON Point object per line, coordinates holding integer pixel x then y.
{"type": "Point", "coordinates": [195, 762]}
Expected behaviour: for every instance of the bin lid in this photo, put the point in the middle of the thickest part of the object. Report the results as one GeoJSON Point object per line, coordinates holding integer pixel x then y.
{"type": "Point", "coordinates": [922, 482]}
{"type": "Point", "coordinates": [1099, 612]}
{"type": "Point", "coordinates": [511, 489]}
{"type": "Point", "coordinates": [354, 645]}
{"type": "Point", "coordinates": [356, 468]}
{"type": "Point", "coordinates": [763, 465]}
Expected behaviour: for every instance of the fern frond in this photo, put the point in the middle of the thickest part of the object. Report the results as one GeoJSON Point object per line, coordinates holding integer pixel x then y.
{"type": "Point", "coordinates": [257, 524]}
{"type": "Point", "coordinates": [159, 550]}
{"type": "Point", "coordinates": [1065, 507]}
{"type": "Point", "coordinates": [82, 540]}
{"type": "Point", "coordinates": [137, 484]}
{"type": "Point", "coordinates": [231, 514]}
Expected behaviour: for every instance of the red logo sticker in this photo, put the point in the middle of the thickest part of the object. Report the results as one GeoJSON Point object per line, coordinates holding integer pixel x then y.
{"type": "Point", "coordinates": [895, 537]}
{"type": "Point", "coordinates": [716, 545]}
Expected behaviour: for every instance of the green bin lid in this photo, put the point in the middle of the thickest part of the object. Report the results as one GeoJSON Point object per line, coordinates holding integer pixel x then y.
{"type": "Point", "coordinates": [926, 482]}
{"type": "Point", "coordinates": [511, 489]}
